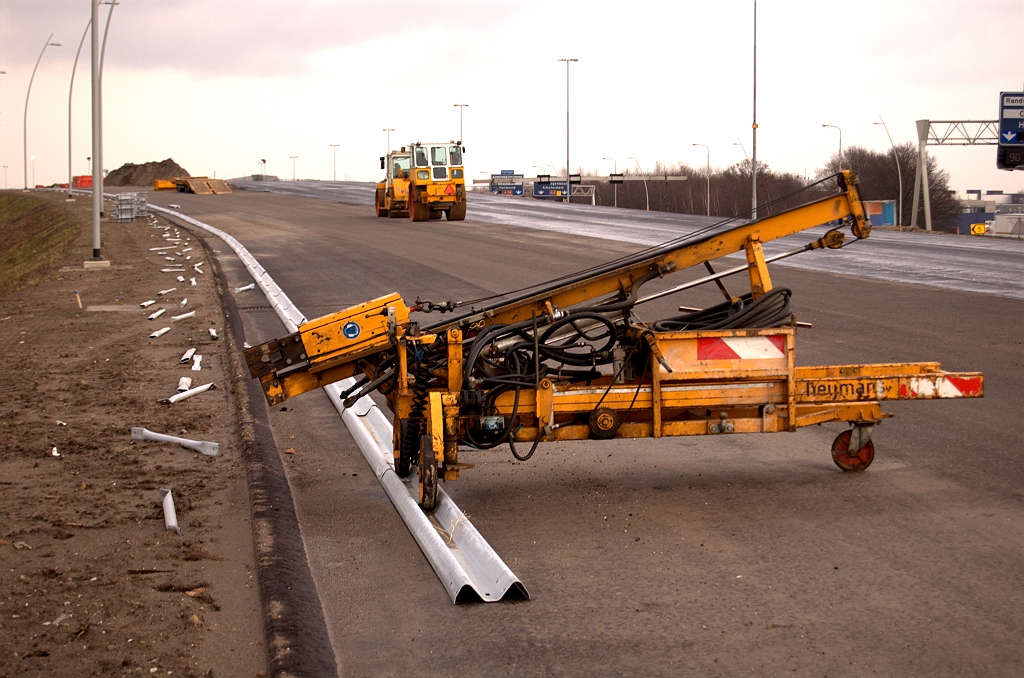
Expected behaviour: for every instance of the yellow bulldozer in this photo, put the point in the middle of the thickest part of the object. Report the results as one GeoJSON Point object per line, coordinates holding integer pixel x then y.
{"type": "Point", "coordinates": [423, 181]}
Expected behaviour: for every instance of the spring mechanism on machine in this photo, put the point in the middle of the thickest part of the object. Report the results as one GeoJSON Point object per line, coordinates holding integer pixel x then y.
{"type": "Point", "coordinates": [417, 416]}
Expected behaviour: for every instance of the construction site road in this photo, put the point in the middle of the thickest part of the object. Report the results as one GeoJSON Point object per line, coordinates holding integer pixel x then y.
{"type": "Point", "coordinates": [989, 265]}
{"type": "Point", "coordinates": [724, 555]}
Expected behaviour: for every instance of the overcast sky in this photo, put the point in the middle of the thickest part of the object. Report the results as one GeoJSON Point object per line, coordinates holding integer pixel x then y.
{"type": "Point", "coordinates": [220, 84]}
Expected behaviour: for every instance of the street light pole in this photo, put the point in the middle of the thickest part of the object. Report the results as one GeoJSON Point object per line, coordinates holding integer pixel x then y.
{"type": "Point", "coordinates": [335, 147]}
{"type": "Point", "coordinates": [25, 124]}
{"type": "Point", "coordinates": [98, 112]}
{"type": "Point", "coordinates": [460, 107]}
{"type": "Point", "coordinates": [899, 172]}
{"type": "Point", "coordinates": [647, 194]}
{"type": "Point", "coordinates": [840, 141]}
{"type": "Point", "coordinates": [389, 130]}
{"type": "Point", "coordinates": [753, 147]}
{"type": "Point", "coordinates": [709, 176]}
{"type": "Point", "coordinates": [568, 172]}
{"type": "Point", "coordinates": [615, 186]}
{"type": "Point", "coordinates": [71, 90]}
{"type": "Point", "coordinates": [293, 157]}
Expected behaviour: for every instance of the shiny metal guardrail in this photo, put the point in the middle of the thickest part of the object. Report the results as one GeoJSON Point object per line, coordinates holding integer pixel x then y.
{"type": "Point", "coordinates": [467, 566]}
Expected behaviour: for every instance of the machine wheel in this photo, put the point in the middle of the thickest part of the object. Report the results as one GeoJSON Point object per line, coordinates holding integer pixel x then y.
{"type": "Point", "coordinates": [406, 455]}
{"type": "Point", "coordinates": [378, 204]}
{"type": "Point", "coordinates": [428, 475]}
{"type": "Point", "coordinates": [417, 210]}
{"type": "Point", "coordinates": [457, 212]}
{"type": "Point", "coordinates": [848, 461]}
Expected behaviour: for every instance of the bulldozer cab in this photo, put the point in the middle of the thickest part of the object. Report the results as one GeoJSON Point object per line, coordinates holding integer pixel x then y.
{"type": "Point", "coordinates": [399, 167]}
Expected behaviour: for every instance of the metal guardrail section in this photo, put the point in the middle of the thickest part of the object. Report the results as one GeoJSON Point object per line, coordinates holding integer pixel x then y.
{"type": "Point", "coordinates": [467, 566]}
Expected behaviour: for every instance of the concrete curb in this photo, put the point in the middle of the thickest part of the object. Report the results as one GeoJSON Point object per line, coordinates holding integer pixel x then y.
{"type": "Point", "coordinates": [297, 640]}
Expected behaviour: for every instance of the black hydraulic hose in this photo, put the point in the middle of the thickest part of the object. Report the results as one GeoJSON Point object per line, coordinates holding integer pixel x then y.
{"type": "Point", "coordinates": [769, 310]}
{"type": "Point", "coordinates": [700, 235]}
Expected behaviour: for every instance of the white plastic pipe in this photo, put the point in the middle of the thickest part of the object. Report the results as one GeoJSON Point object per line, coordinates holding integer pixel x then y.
{"type": "Point", "coordinates": [187, 356]}
{"type": "Point", "coordinates": [246, 288]}
{"type": "Point", "coordinates": [157, 314]}
{"type": "Point", "coordinates": [183, 316]}
{"type": "Point", "coordinates": [185, 300]}
{"type": "Point", "coordinates": [213, 334]}
{"type": "Point", "coordinates": [201, 446]}
{"type": "Point", "coordinates": [184, 384]}
{"type": "Point", "coordinates": [147, 303]}
{"type": "Point", "coordinates": [191, 392]}
{"type": "Point", "coordinates": [160, 332]}
{"type": "Point", "coordinates": [163, 292]}
{"type": "Point", "coordinates": [170, 517]}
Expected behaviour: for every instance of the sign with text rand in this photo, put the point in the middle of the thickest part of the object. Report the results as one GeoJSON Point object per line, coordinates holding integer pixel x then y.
{"type": "Point", "coordinates": [1010, 151]}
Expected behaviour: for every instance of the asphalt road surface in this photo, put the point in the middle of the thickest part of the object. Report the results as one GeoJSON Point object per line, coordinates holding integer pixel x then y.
{"type": "Point", "coordinates": [731, 555]}
{"type": "Point", "coordinates": [972, 264]}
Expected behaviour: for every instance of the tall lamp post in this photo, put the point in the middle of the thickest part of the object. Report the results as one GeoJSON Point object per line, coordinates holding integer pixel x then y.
{"type": "Point", "coordinates": [568, 172]}
{"type": "Point", "coordinates": [647, 194]}
{"type": "Point", "coordinates": [335, 147]}
{"type": "Point", "coordinates": [899, 172]}
{"type": "Point", "coordinates": [460, 107]}
{"type": "Point", "coordinates": [71, 90]}
{"type": "Point", "coordinates": [25, 124]}
{"type": "Point", "coordinates": [709, 176]}
{"type": "Point", "coordinates": [615, 186]}
{"type": "Point", "coordinates": [293, 157]}
{"type": "Point", "coordinates": [840, 140]}
{"type": "Point", "coordinates": [389, 130]}
{"type": "Point", "coordinates": [753, 129]}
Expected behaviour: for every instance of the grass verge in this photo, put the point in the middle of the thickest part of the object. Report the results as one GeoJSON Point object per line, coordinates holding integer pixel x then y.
{"type": "Point", "coordinates": [34, 234]}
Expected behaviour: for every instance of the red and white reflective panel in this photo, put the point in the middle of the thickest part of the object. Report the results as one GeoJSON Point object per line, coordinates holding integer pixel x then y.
{"type": "Point", "coordinates": [941, 387]}
{"type": "Point", "coordinates": [742, 348]}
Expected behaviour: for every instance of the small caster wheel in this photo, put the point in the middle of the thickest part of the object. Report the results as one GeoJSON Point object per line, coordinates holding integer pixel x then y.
{"type": "Point", "coordinates": [849, 460]}
{"type": "Point", "coordinates": [428, 475]}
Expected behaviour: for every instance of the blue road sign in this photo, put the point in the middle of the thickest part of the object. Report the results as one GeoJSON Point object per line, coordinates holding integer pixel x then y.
{"type": "Point", "coordinates": [1010, 152]}
{"type": "Point", "coordinates": [1011, 119]}
{"type": "Point", "coordinates": [549, 189]}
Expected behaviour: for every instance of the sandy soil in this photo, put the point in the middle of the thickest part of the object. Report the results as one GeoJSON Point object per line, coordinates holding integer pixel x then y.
{"type": "Point", "coordinates": [91, 583]}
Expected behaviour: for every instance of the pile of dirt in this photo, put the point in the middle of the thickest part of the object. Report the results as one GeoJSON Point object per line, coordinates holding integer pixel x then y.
{"type": "Point", "coordinates": [91, 582]}
{"type": "Point", "coordinates": [34, 233]}
{"type": "Point", "coordinates": [130, 174]}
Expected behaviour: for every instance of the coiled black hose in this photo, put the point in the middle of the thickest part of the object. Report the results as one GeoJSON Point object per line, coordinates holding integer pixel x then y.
{"type": "Point", "coordinates": [769, 310]}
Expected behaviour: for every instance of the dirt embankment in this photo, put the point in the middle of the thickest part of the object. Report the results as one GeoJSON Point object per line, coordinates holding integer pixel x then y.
{"type": "Point", "coordinates": [130, 174]}
{"type": "Point", "coordinates": [34, 233]}
{"type": "Point", "coordinates": [90, 581]}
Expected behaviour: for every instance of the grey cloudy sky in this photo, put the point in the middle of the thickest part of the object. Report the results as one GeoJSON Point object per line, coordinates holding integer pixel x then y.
{"type": "Point", "coordinates": [220, 84]}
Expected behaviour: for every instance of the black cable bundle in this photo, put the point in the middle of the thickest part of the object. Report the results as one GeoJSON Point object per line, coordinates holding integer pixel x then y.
{"type": "Point", "coordinates": [769, 310]}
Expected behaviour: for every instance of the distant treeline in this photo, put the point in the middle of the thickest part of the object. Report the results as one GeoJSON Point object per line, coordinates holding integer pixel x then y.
{"type": "Point", "coordinates": [778, 191]}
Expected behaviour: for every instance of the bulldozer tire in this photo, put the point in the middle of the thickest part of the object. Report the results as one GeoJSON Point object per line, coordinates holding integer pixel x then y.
{"type": "Point", "coordinates": [378, 204]}
{"type": "Point", "coordinates": [457, 212]}
{"type": "Point", "coordinates": [417, 210]}
{"type": "Point", "coordinates": [428, 475]}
